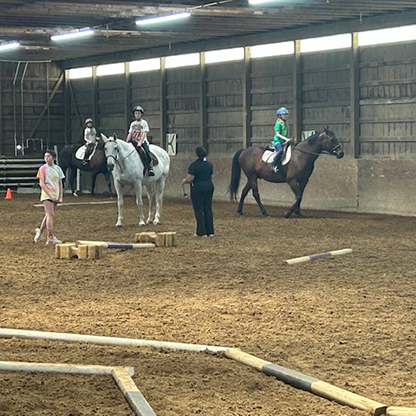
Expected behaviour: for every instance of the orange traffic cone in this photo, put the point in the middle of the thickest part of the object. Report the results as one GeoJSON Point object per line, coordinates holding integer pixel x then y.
{"type": "Point", "coordinates": [8, 194]}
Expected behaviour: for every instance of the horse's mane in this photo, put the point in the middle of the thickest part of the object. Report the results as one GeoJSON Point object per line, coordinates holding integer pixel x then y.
{"type": "Point", "coordinates": [313, 138]}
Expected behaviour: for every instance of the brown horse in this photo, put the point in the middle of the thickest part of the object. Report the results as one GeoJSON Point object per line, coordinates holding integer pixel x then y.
{"type": "Point", "coordinates": [296, 173]}
{"type": "Point", "coordinates": [97, 164]}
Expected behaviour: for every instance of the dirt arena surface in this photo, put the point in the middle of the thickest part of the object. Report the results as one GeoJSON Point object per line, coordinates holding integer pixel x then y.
{"type": "Point", "coordinates": [348, 320]}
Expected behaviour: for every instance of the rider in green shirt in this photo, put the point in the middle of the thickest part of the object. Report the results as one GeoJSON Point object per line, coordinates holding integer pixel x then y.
{"type": "Point", "coordinates": [281, 131]}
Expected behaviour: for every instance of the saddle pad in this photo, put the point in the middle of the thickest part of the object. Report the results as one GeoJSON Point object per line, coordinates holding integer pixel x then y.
{"type": "Point", "coordinates": [268, 156]}
{"type": "Point", "coordinates": [79, 154]}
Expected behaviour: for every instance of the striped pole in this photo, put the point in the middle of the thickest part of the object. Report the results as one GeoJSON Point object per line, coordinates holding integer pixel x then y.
{"type": "Point", "coordinates": [122, 246]}
{"type": "Point", "coordinates": [318, 256]}
{"type": "Point", "coordinates": [307, 383]}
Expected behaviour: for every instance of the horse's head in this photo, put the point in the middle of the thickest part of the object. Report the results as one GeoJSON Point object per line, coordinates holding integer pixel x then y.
{"type": "Point", "coordinates": [330, 143]}
{"type": "Point", "coordinates": [110, 150]}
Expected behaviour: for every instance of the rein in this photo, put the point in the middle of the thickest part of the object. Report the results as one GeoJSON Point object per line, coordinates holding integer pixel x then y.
{"type": "Point", "coordinates": [317, 154]}
{"type": "Point", "coordinates": [124, 158]}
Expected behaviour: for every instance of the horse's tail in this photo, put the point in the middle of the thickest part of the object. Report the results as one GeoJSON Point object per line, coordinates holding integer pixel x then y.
{"type": "Point", "coordinates": [235, 176]}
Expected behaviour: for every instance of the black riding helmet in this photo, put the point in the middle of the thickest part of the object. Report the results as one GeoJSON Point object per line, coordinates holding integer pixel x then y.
{"type": "Point", "coordinates": [138, 108]}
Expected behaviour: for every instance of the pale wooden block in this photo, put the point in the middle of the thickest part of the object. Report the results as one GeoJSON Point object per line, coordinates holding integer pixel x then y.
{"type": "Point", "coordinates": [148, 237]}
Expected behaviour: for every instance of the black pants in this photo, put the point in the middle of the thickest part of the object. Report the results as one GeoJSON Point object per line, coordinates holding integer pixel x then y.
{"type": "Point", "coordinates": [146, 149]}
{"type": "Point", "coordinates": [202, 203]}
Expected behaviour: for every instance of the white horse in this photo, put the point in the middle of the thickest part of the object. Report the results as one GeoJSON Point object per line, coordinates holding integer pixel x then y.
{"type": "Point", "coordinates": [127, 168]}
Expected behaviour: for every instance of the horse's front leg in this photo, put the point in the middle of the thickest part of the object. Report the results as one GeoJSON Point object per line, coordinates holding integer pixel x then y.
{"type": "Point", "coordinates": [298, 191]}
{"type": "Point", "coordinates": [150, 197]}
{"type": "Point", "coordinates": [72, 180]}
{"type": "Point", "coordinates": [93, 181]}
{"type": "Point", "coordinates": [160, 186]}
{"type": "Point", "coordinates": [120, 203]}
{"type": "Point", "coordinates": [108, 181]}
{"type": "Point", "coordinates": [139, 202]}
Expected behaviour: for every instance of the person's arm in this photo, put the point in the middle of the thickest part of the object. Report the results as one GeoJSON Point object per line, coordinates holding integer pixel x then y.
{"type": "Point", "coordinates": [143, 136]}
{"type": "Point", "coordinates": [44, 187]}
{"type": "Point", "coordinates": [189, 178]}
{"type": "Point", "coordinates": [86, 137]}
{"type": "Point", "coordinates": [128, 137]}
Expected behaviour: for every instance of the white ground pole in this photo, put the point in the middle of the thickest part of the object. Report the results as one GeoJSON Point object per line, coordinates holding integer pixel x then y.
{"type": "Point", "coordinates": [121, 375]}
{"type": "Point", "coordinates": [68, 204]}
{"type": "Point", "coordinates": [317, 256]}
{"type": "Point", "coordinates": [93, 339]}
{"type": "Point", "coordinates": [294, 378]}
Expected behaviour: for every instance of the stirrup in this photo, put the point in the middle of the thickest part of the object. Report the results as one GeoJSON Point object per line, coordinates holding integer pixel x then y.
{"type": "Point", "coordinates": [150, 171]}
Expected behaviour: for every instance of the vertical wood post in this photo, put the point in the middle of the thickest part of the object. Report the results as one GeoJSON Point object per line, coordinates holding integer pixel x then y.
{"type": "Point", "coordinates": [94, 114]}
{"type": "Point", "coordinates": [355, 97]}
{"type": "Point", "coordinates": [297, 93]}
{"type": "Point", "coordinates": [67, 108]}
{"type": "Point", "coordinates": [127, 98]}
{"type": "Point", "coordinates": [1, 115]}
{"type": "Point", "coordinates": [163, 104]}
{"type": "Point", "coordinates": [247, 98]}
{"type": "Point", "coordinates": [203, 116]}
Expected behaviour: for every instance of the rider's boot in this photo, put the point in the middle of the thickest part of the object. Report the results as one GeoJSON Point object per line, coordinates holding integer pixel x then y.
{"type": "Point", "coordinates": [150, 170]}
{"type": "Point", "coordinates": [277, 164]}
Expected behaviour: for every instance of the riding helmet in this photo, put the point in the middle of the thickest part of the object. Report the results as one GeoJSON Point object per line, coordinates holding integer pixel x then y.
{"type": "Point", "coordinates": [282, 110]}
{"type": "Point", "coordinates": [138, 108]}
{"type": "Point", "coordinates": [88, 120]}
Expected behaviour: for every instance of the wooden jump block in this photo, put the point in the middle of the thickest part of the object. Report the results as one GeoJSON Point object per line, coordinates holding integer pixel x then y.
{"type": "Point", "coordinates": [71, 250]}
{"type": "Point", "coordinates": [158, 239]}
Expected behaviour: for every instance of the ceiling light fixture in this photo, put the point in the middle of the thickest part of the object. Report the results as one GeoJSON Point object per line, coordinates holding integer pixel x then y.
{"type": "Point", "coordinates": [10, 45]}
{"type": "Point", "coordinates": [260, 1]}
{"type": "Point", "coordinates": [72, 35]}
{"type": "Point", "coordinates": [162, 19]}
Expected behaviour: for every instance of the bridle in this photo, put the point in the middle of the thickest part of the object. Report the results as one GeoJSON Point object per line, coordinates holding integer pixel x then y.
{"type": "Point", "coordinates": [332, 152]}
{"type": "Point", "coordinates": [117, 153]}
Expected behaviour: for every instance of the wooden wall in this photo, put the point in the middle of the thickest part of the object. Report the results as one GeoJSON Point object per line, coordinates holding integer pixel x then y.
{"type": "Point", "coordinates": [25, 91]}
{"type": "Point", "coordinates": [365, 95]}
{"type": "Point", "coordinates": [387, 100]}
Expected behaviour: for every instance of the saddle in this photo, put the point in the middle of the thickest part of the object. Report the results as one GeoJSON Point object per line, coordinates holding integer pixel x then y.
{"type": "Point", "coordinates": [270, 153]}
{"type": "Point", "coordinates": [80, 153]}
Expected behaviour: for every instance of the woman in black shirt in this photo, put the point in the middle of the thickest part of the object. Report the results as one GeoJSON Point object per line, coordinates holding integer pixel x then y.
{"type": "Point", "coordinates": [202, 190]}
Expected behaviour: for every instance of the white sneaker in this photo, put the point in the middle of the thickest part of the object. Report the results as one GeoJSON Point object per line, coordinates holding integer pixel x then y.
{"type": "Point", "coordinates": [53, 241]}
{"type": "Point", "coordinates": [38, 235]}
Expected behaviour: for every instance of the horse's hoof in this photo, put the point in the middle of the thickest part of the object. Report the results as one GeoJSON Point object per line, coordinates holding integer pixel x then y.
{"type": "Point", "coordinates": [141, 224]}
{"type": "Point", "coordinates": [299, 215]}
{"type": "Point", "coordinates": [241, 214]}
{"type": "Point", "coordinates": [118, 225]}
{"type": "Point", "coordinates": [265, 214]}
{"type": "Point", "coordinates": [75, 194]}
{"type": "Point", "coordinates": [288, 214]}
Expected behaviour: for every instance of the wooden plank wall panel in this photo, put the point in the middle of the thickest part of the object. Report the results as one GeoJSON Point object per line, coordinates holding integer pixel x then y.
{"type": "Point", "coordinates": [225, 85]}
{"type": "Point", "coordinates": [81, 107]}
{"type": "Point", "coordinates": [111, 115]}
{"type": "Point", "coordinates": [271, 88]}
{"type": "Point", "coordinates": [183, 102]}
{"type": "Point", "coordinates": [38, 83]}
{"type": "Point", "coordinates": [326, 93]}
{"type": "Point", "coordinates": [145, 91]}
{"type": "Point", "coordinates": [387, 100]}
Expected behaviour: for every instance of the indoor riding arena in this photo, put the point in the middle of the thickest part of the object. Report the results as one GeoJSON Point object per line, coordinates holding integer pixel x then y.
{"type": "Point", "coordinates": [271, 316]}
